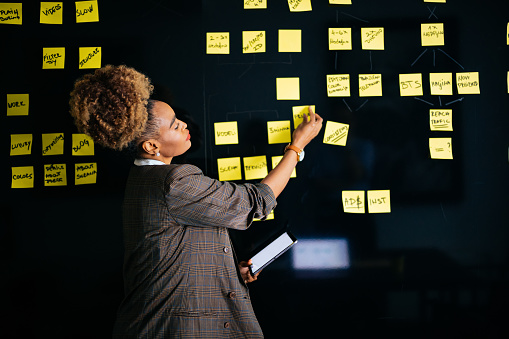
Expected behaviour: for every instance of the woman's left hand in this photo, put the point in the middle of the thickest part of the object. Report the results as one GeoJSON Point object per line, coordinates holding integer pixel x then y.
{"type": "Point", "coordinates": [246, 273]}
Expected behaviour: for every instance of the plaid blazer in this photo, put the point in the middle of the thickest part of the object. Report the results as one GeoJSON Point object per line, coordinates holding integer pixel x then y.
{"type": "Point", "coordinates": [181, 277]}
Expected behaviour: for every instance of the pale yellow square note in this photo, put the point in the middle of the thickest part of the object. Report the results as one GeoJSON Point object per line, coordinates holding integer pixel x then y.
{"type": "Point", "coordinates": [255, 4]}
{"type": "Point", "coordinates": [340, 2]}
{"type": "Point", "coordinates": [226, 133]}
{"type": "Point", "coordinates": [440, 119]}
{"type": "Point", "coordinates": [410, 84]}
{"type": "Point", "coordinates": [338, 85]}
{"type": "Point", "coordinates": [299, 5]}
{"type": "Point", "coordinates": [21, 144]}
{"type": "Point", "coordinates": [379, 201]}
{"type": "Point", "coordinates": [353, 201]}
{"type": "Point", "coordinates": [17, 104]}
{"type": "Point", "coordinates": [440, 83]}
{"type": "Point", "coordinates": [440, 148]}
{"type": "Point", "coordinates": [335, 133]}
{"type": "Point", "coordinates": [287, 89]}
{"type": "Point", "coordinates": [51, 13]}
{"type": "Point", "coordinates": [279, 132]}
{"type": "Point", "coordinates": [298, 114]}
{"type": "Point", "coordinates": [290, 40]}
{"type": "Point", "coordinates": [253, 41]}
{"type": "Point", "coordinates": [218, 43]}
{"type": "Point", "coordinates": [372, 38]}
{"type": "Point", "coordinates": [22, 177]}
{"type": "Point", "coordinates": [370, 85]}
{"type": "Point", "coordinates": [468, 83]}
{"type": "Point", "coordinates": [432, 34]}
{"type": "Point", "coordinates": [255, 167]}
{"type": "Point", "coordinates": [55, 175]}
{"type": "Point", "coordinates": [340, 39]}
{"type": "Point", "coordinates": [229, 169]}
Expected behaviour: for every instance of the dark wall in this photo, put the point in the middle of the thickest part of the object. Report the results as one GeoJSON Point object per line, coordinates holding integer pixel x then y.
{"type": "Point", "coordinates": [435, 266]}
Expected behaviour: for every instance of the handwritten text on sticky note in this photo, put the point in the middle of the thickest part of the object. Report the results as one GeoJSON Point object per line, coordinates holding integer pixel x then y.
{"type": "Point", "coordinates": [52, 143]}
{"type": "Point", "coordinates": [51, 13]}
{"type": "Point", "coordinates": [410, 84]}
{"type": "Point", "coordinates": [370, 85]}
{"type": "Point", "coordinates": [53, 58]}
{"type": "Point", "coordinates": [440, 83]}
{"type": "Point", "coordinates": [340, 2]}
{"type": "Point", "coordinates": [298, 114]}
{"type": "Point", "coordinates": [229, 169]}
{"type": "Point", "coordinates": [55, 175]}
{"type": "Point", "coordinates": [218, 43]}
{"type": "Point", "coordinates": [21, 144]}
{"type": "Point", "coordinates": [338, 85]}
{"type": "Point", "coordinates": [255, 167]}
{"type": "Point", "coordinates": [226, 133]}
{"type": "Point", "coordinates": [253, 41]}
{"type": "Point", "coordinates": [335, 133]}
{"type": "Point", "coordinates": [17, 104]}
{"type": "Point", "coordinates": [440, 148]}
{"type": "Point", "coordinates": [279, 132]}
{"type": "Point", "coordinates": [82, 144]}
{"type": "Point", "coordinates": [255, 4]}
{"type": "Point", "coordinates": [379, 201]}
{"type": "Point", "coordinates": [11, 13]}
{"type": "Point", "coordinates": [90, 57]}
{"type": "Point", "coordinates": [468, 83]}
{"type": "Point", "coordinates": [432, 34]}
{"type": "Point", "coordinates": [440, 119]}
{"type": "Point", "coordinates": [22, 177]}
{"type": "Point", "coordinates": [85, 173]}
{"type": "Point", "coordinates": [340, 39]}
{"type": "Point", "coordinates": [87, 11]}
{"type": "Point", "coordinates": [299, 5]}
{"type": "Point", "coordinates": [353, 201]}
{"type": "Point", "coordinates": [372, 38]}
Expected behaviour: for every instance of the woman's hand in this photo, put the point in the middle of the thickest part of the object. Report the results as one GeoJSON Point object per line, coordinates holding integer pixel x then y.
{"type": "Point", "coordinates": [307, 130]}
{"type": "Point", "coordinates": [246, 273]}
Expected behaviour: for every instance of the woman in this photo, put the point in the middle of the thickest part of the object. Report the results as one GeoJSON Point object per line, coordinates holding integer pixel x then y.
{"type": "Point", "coordinates": [180, 273]}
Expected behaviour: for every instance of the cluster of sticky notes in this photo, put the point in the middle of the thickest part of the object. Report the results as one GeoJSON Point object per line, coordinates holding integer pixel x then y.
{"type": "Point", "coordinates": [17, 104]}
{"type": "Point", "coordinates": [289, 40]}
{"type": "Point", "coordinates": [54, 175]}
{"type": "Point", "coordinates": [335, 133]}
{"type": "Point", "coordinates": [298, 113]}
{"type": "Point", "coordinates": [255, 4]}
{"type": "Point", "coordinates": [50, 12]}
{"type": "Point", "coordinates": [379, 201]}
{"type": "Point", "coordinates": [440, 83]}
{"type": "Point", "coordinates": [440, 148]}
{"type": "Point", "coordinates": [52, 144]}
{"type": "Point", "coordinates": [370, 85]}
{"type": "Point", "coordinates": [11, 13]}
{"type": "Point", "coordinates": [440, 119]}
{"type": "Point", "coordinates": [299, 5]}
{"type": "Point", "coordinates": [432, 34]}
{"type": "Point", "coordinates": [279, 132]}
{"type": "Point", "coordinates": [54, 57]}
{"type": "Point", "coordinates": [231, 169]}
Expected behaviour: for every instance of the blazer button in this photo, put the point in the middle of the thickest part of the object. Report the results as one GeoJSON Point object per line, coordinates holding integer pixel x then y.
{"type": "Point", "coordinates": [226, 324]}
{"type": "Point", "coordinates": [226, 250]}
{"type": "Point", "coordinates": [232, 295]}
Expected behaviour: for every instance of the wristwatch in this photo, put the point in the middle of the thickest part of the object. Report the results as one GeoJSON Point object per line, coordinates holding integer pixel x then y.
{"type": "Point", "coordinates": [300, 152]}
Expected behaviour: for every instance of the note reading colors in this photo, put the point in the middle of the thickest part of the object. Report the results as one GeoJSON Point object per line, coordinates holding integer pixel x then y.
{"type": "Point", "coordinates": [22, 177]}
{"type": "Point", "coordinates": [82, 144]}
{"type": "Point", "coordinates": [255, 4]}
{"type": "Point", "coordinates": [253, 41]}
{"type": "Point", "coordinates": [276, 159]}
{"type": "Point", "coordinates": [53, 58]}
{"type": "Point", "coordinates": [85, 173]}
{"type": "Point", "coordinates": [410, 84]}
{"type": "Point", "coordinates": [440, 119]}
{"type": "Point", "coordinates": [432, 34]}
{"type": "Point", "coordinates": [379, 201]}
{"type": "Point", "coordinates": [338, 85]}
{"type": "Point", "coordinates": [287, 89]}
{"type": "Point", "coordinates": [298, 114]}
{"type": "Point", "coordinates": [340, 39]}
{"type": "Point", "coordinates": [468, 83]}
{"type": "Point", "coordinates": [279, 132]}
{"type": "Point", "coordinates": [353, 201]}
{"type": "Point", "coordinates": [370, 85]}
{"type": "Point", "coordinates": [440, 83]}
{"type": "Point", "coordinates": [255, 167]}
{"type": "Point", "coordinates": [21, 144]}
{"type": "Point", "coordinates": [87, 11]}
{"type": "Point", "coordinates": [229, 169]}
{"type": "Point", "coordinates": [299, 5]}
{"type": "Point", "coordinates": [90, 57]}
{"type": "Point", "coordinates": [226, 133]}
{"type": "Point", "coordinates": [289, 40]}
{"type": "Point", "coordinates": [51, 13]}
{"type": "Point", "coordinates": [11, 13]}
{"type": "Point", "coordinates": [440, 148]}
{"type": "Point", "coordinates": [372, 38]}
{"type": "Point", "coordinates": [53, 143]}
{"type": "Point", "coordinates": [17, 104]}
{"type": "Point", "coordinates": [218, 43]}
{"type": "Point", "coordinates": [335, 133]}
{"type": "Point", "coordinates": [55, 175]}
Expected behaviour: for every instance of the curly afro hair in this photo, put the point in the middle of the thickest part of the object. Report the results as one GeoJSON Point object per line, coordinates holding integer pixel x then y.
{"type": "Point", "coordinates": [110, 105]}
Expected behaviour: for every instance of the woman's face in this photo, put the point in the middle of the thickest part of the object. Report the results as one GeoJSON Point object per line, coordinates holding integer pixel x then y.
{"type": "Point", "coordinates": [174, 138]}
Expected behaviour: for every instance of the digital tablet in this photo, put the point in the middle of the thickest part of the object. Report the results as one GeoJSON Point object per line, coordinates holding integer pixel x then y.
{"type": "Point", "coordinates": [272, 251]}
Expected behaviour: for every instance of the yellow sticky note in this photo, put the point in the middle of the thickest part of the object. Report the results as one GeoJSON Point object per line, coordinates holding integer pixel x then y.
{"type": "Point", "coordinates": [253, 41]}
{"type": "Point", "coordinates": [299, 5]}
{"type": "Point", "coordinates": [269, 217]}
{"type": "Point", "coordinates": [353, 201]}
{"type": "Point", "coordinates": [432, 34]}
{"type": "Point", "coordinates": [440, 83]}
{"type": "Point", "coordinates": [287, 89]}
{"type": "Point", "coordinates": [440, 119]}
{"type": "Point", "coordinates": [276, 160]}
{"type": "Point", "coordinates": [410, 84]}
{"type": "Point", "coordinates": [17, 104]}
{"type": "Point", "coordinates": [255, 4]}
{"type": "Point", "coordinates": [226, 133]}
{"type": "Point", "coordinates": [229, 169]}
{"type": "Point", "coordinates": [340, 2]}
{"type": "Point", "coordinates": [279, 132]}
{"type": "Point", "coordinates": [335, 133]}
{"type": "Point", "coordinates": [22, 177]}
{"type": "Point", "coordinates": [379, 201]}
{"type": "Point", "coordinates": [290, 40]}
{"type": "Point", "coordinates": [218, 43]}
{"type": "Point", "coordinates": [51, 13]}
{"type": "Point", "coordinates": [87, 11]}
{"type": "Point", "coordinates": [82, 144]}
{"type": "Point", "coordinates": [468, 83]}
{"type": "Point", "coordinates": [55, 175]}
{"type": "Point", "coordinates": [370, 85]}
{"type": "Point", "coordinates": [338, 85]}
{"type": "Point", "coordinates": [340, 39]}
{"type": "Point", "coordinates": [507, 82]}
{"type": "Point", "coordinates": [298, 114]}
{"type": "Point", "coordinates": [440, 148]}
{"type": "Point", "coordinates": [90, 57]}
{"type": "Point", "coordinates": [53, 58]}
{"type": "Point", "coordinates": [507, 33]}
{"type": "Point", "coordinates": [437, 1]}
{"type": "Point", "coordinates": [52, 143]}
{"type": "Point", "coordinates": [85, 173]}
{"type": "Point", "coordinates": [11, 13]}
{"type": "Point", "coordinates": [372, 38]}
{"type": "Point", "coordinates": [255, 167]}
{"type": "Point", "coordinates": [21, 144]}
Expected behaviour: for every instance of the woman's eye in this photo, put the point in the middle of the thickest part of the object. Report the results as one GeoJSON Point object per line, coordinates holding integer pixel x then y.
{"type": "Point", "coordinates": [177, 127]}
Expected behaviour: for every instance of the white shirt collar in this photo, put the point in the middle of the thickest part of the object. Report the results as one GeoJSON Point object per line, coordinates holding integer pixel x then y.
{"type": "Point", "coordinates": [145, 162]}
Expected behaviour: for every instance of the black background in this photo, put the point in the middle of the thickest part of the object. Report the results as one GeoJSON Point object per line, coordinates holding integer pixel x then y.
{"type": "Point", "coordinates": [436, 266]}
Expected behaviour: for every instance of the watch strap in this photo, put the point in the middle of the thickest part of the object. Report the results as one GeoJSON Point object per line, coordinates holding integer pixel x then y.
{"type": "Point", "coordinates": [295, 149]}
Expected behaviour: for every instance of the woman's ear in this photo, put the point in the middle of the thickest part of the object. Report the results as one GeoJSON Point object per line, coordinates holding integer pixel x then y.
{"type": "Point", "coordinates": [150, 146]}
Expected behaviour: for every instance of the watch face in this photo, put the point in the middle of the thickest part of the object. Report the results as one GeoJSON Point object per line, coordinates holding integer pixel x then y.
{"type": "Point", "coordinates": [301, 155]}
